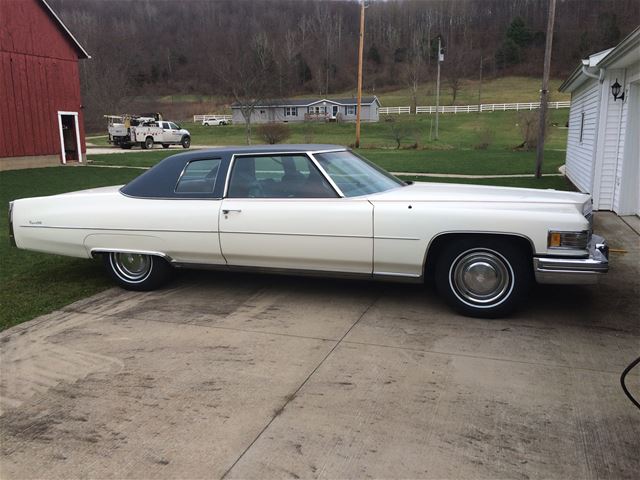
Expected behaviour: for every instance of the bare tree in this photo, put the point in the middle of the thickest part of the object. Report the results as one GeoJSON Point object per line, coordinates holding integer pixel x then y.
{"type": "Point", "coordinates": [251, 79]}
{"type": "Point", "coordinates": [399, 131]}
{"type": "Point", "coordinates": [454, 72]}
{"type": "Point", "coordinates": [414, 68]}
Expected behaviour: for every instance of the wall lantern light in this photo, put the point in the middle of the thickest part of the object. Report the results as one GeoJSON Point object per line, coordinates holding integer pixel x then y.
{"type": "Point", "coordinates": [615, 90]}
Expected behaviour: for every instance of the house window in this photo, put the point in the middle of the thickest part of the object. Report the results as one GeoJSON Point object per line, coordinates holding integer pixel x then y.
{"type": "Point", "coordinates": [350, 110]}
{"type": "Point", "coordinates": [316, 110]}
{"type": "Point", "coordinates": [581, 125]}
{"type": "Point", "coordinates": [290, 112]}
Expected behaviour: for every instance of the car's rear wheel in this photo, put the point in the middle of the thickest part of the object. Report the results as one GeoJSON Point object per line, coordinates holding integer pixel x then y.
{"type": "Point", "coordinates": [136, 271]}
{"type": "Point", "coordinates": [148, 143]}
{"type": "Point", "coordinates": [483, 277]}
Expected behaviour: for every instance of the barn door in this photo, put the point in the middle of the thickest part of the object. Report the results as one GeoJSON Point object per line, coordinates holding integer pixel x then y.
{"type": "Point", "coordinates": [69, 137]}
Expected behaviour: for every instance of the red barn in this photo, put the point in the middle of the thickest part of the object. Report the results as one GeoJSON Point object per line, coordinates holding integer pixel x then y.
{"type": "Point", "coordinates": [41, 121]}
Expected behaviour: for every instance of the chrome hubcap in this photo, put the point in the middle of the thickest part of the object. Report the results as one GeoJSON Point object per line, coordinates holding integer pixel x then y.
{"type": "Point", "coordinates": [481, 277]}
{"type": "Point", "coordinates": [131, 266]}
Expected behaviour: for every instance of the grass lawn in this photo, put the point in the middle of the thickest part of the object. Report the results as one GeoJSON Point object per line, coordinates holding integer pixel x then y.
{"type": "Point", "coordinates": [468, 162]}
{"type": "Point", "coordinates": [498, 90]}
{"type": "Point", "coordinates": [462, 130]}
{"type": "Point", "coordinates": [453, 153]}
{"type": "Point", "coordinates": [38, 283]}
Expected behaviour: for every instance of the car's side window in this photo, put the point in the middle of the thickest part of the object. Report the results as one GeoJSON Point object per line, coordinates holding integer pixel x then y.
{"type": "Point", "coordinates": [199, 176]}
{"type": "Point", "coordinates": [277, 176]}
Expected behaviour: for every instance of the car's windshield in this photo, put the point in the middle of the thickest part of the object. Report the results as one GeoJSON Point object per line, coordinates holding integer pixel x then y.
{"type": "Point", "coordinates": [355, 175]}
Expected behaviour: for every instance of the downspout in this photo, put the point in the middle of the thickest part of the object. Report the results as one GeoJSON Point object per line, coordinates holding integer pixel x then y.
{"type": "Point", "coordinates": [595, 185]}
{"type": "Point", "coordinates": [599, 76]}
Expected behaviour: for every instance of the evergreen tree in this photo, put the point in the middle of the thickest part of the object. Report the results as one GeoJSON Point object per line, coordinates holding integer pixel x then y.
{"type": "Point", "coordinates": [508, 54]}
{"type": "Point", "coordinates": [373, 55]}
{"type": "Point", "coordinates": [519, 33]}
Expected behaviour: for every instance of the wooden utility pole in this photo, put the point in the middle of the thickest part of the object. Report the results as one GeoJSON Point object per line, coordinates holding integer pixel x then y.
{"type": "Point", "coordinates": [438, 86]}
{"type": "Point", "coordinates": [480, 86]}
{"type": "Point", "coordinates": [360, 52]}
{"type": "Point", "coordinates": [544, 93]}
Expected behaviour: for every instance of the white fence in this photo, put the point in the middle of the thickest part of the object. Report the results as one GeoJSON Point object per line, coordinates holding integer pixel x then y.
{"type": "Point", "coordinates": [486, 107]}
{"type": "Point", "coordinates": [202, 118]}
{"type": "Point", "coordinates": [394, 110]}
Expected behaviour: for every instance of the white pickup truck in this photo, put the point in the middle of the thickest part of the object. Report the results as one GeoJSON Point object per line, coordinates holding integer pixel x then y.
{"type": "Point", "coordinates": [148, 133]}
{"type": "Point", "coordinates": [211, 120]}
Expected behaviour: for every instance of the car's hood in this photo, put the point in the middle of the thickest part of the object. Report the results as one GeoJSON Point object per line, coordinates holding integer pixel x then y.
{"type": "Point", "coordinates": [452, 192]}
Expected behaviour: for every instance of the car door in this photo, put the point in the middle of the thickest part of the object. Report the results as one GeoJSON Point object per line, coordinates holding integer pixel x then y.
{"type": "Point", "coordinates": [279, 211]}
{"type": "Point", "coordinates": [176, 136]}
{"type": "Point", "coordinates": [166, 132]}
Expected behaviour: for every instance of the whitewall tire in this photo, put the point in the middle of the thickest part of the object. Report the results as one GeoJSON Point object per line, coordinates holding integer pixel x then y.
{"type": "Point", "coordinates": [136, 271]}
{"type": "Point", "coordinates": [483, 276]}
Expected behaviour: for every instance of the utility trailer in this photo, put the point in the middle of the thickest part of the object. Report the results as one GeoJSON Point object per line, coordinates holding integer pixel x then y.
{"type": "Point", "coordinates": [145, 130]}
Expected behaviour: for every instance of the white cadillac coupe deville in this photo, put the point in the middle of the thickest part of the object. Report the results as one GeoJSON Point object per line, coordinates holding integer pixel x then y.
{"type": "Point", "coordinates": [320, 209]}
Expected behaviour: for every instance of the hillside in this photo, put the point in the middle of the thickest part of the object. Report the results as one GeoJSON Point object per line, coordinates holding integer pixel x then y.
{"type": "Point", "coordinates": [510, 89]}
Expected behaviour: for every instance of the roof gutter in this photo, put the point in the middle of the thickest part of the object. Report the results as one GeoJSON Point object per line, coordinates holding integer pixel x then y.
{"type": "Point", "coordinates": [599, 76]}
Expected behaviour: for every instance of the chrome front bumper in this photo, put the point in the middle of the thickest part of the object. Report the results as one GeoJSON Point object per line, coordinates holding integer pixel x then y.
{"type": "Point", "coordinates": [576, 271]}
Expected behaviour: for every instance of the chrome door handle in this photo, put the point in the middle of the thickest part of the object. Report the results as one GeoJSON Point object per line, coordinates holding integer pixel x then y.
{"type": "Point", "coordinates": [225, 211]}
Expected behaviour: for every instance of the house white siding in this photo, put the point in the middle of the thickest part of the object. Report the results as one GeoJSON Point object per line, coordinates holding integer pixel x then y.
{"type": "Point", "coordinates": [610, 131]}
{"type": "Point", "coordinates": [580, 153]}
{"type": "Point", "coordinates": [603, 144]}
{"type": "Point", "coordinates": [629, 133]}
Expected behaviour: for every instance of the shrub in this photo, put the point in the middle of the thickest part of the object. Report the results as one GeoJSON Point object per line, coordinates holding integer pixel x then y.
{"type": "Point", "coordinates": [400, 131]}
{"type": "Point", "coordinates": [485, 138]}
{"type": "Point", "coordinates": [273, 133]}
{"type": "Point", "coordinates": [529, 128]}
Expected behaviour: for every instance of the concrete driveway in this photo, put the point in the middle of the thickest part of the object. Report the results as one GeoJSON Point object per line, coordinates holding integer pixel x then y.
{"type": "Point", "coordinates": [243, 376]}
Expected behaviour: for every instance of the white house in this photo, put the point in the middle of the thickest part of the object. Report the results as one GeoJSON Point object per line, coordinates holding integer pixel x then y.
{"type": "Point", "coordinates": [603, 146]}
{"type": "Point", "coordinates": [303, 109]}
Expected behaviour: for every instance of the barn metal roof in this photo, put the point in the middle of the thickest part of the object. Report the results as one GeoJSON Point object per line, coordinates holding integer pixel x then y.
{"type": "Point", "coordinates": [65, 30]}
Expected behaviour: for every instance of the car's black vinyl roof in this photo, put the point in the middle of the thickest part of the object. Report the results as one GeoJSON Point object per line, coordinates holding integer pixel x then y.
{"type": "Point", "coordinates": [160, 181]}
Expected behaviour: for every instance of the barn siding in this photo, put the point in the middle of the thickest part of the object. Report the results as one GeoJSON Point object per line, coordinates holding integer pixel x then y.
{"type": "Point", "coordinates": [28, 29]}
{"type": "Point", "coordinates": [38, 77]}
{"type": "Point", "coordinates": [580, 155]}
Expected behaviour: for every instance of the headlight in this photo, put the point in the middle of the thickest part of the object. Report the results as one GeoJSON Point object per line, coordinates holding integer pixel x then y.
{"type": "Point", "coordinates": [568, 240]}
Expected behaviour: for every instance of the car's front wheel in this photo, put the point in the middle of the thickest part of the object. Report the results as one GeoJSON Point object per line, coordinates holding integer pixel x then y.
{"type": "Point", "coordinates": [483, 277]}
{"type": "Point", "coordinates": [186, 141]}
{"type": "Point", "coordinates": [136, 271]}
